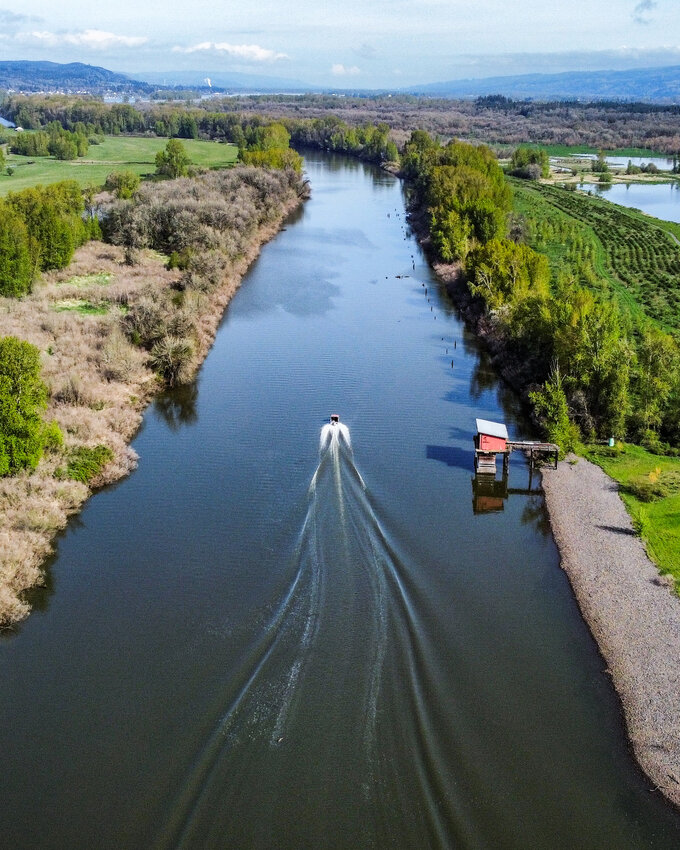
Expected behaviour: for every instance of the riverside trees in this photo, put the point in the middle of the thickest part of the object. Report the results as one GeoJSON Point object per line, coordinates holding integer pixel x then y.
{"type": "Point", "coordinates": [572, 347]}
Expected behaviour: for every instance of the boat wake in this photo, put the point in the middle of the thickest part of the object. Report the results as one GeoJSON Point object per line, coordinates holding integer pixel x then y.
{"type": "Point", "coordinates": [339, 663]}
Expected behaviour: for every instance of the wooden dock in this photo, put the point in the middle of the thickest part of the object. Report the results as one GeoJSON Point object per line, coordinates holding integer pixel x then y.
{"type": "Point", "coordinates": [492, 439]}
{"type": "Point", "coordinates": [534, 450]}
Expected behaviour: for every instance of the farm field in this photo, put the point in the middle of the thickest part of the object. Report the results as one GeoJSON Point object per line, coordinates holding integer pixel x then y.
{"type": "Point", "coordinates": [634, 255]}
{"type": "Point", "coordinates": [133, 153]}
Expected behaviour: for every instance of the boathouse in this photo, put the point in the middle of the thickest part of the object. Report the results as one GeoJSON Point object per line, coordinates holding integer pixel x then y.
{"type": "Point", "coordinates": [491, 439]}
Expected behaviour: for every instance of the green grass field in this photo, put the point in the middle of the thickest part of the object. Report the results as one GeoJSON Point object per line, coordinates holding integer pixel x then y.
{"type": "Point", "coordinates": [116, 153]}
{"type": "Point", "coordinates": [635, 255]}
{"type": "Point", "coordinates": [650, 489]}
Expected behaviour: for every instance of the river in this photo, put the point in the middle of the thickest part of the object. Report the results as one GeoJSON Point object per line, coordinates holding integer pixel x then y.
{"type": "Point", "coordinates": [253, 642]}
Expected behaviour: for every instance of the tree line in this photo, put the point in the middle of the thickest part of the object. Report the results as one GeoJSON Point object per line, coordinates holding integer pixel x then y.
{"type": "Point", "coordinates": [40, 228]}
{"type": "Point", "coordinates": [589, 368]}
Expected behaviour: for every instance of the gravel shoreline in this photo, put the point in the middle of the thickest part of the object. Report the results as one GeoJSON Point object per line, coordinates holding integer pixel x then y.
{"type": "Point", "coordinates": [629, 608]}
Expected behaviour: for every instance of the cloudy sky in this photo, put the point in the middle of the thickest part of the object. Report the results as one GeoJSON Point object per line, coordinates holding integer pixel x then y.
{"type": "Point", "coordinates": [347, 43]}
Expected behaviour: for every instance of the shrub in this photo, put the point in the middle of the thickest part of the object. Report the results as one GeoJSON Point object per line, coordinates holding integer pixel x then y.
{"type": "Point", "coordinates": [53, 439]}
{"type": "Point", "coordinates": [123, 183]}
{"type": "Point", "coordinates": [85, 462]}
{"type": "Point", "coordinates": [171, 357]}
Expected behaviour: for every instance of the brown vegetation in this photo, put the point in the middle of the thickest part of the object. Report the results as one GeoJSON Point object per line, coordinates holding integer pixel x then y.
{"type": "Point", "coordinates": [610, 126]}
{"type": "Point", "coordinates": [100, 372]}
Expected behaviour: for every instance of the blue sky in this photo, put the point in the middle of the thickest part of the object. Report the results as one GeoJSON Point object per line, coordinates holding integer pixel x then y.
{"type": "Point", "coordinates": [348, 44]}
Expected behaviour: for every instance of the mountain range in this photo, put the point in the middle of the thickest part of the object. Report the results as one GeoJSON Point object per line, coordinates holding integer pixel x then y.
{"type": "Point", "coordinates": [642, 84]}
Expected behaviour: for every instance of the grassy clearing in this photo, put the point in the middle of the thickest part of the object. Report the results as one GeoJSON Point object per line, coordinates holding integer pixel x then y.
{"type": "Point", "coordinates": [636, 255]}
{"type": "Point", "coordinates": [131, 153]}
{"type": "Point", "coordinates": [80, 305]}
{"type": "Point", "coordinates": [95, 279]}
{"type": "Point", "coordinates": [650, 489]}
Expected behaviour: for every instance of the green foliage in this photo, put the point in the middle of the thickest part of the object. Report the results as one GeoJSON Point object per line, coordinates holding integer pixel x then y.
{"type": "Point", "coordinates": [53, 439]}
{"type": "Point", "coordinates": [504, 273]}
{"type": "Point", "coordinates": [30, 144]}
{"type": "Point", "coordinates": [23, 396]}
{"type": "Point", "coordinates": [171, 357]}
{"type": "Point", "coordinates": [621, 373]}
{"type": "Point", "coordinates": [463, 189]}
{"type": "Point", "coordinates": [123, 183]}
{"type": "Point", "coordinates": [268, 146]}
{"type": "Point", "coordinates": [2, 159]}
{"type": "Point", "coordinates": [650, 488]}
{"type": "Point", "coordinates": [274, 158]}
{"type": "Point", "coordinates": [85, 462]}
{"type": "Point", "coordinates": [52, 216]}
{"type": "Point", "coordinates": [16, 267]}
{"type": "Point", "coordinates": [369, 142]}
{"type": "Point", "coordinates": [530, 162]}
{"type": "Point", "coordinates": [174, 161]}
{"type": "Point", "coordinates": [551, 406]}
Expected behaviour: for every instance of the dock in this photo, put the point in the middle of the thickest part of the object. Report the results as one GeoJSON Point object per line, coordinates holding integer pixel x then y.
{"type": "Point", "coordinates": [492, 440]}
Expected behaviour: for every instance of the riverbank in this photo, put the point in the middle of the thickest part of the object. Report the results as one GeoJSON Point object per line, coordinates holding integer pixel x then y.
{"type": "Point", "coordinates": [99, 383]}
{"type": "Point", "coordinates": [630, 609]}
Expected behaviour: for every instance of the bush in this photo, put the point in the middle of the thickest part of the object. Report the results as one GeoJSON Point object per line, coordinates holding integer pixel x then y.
{"type": "Point", "coordinates": [84, 463]}
{"type": "Point", "coordinates": [123, 183]}
{"type": "Point", "coordinates": [171, 358]}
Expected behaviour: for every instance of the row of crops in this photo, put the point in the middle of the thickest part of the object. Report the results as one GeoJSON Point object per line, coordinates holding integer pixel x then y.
{"type": "Point", "coordinates": [637, 255]}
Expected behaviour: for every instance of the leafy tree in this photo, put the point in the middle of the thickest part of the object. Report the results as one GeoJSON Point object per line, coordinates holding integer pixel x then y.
{"type": "Point", "coordinates": [2, 159]}
{"type": "Point", "coordinates": [658, 361]}
{"type": "Point", "coordinates": [530, 163]}
{"type": "Point", "coordinates": [22, 398]}
{"type": "Point", "coordinates": [123, 183]}
{"type": "Point", "coordinates": [53, 218]}
{"type": "Point", "coordinates": [173, 161]}
{"type": "Point", "coordinates": [551, 406]}
{"type": "Point", "coordinates": [63, 148]}
{"type": "Point", "coordinates": [16, 268]}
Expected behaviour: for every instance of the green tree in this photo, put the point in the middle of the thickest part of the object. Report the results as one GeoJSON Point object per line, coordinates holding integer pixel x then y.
{"type": "Point", "coordinates": [23, 396]}
{"type": "Point", "coordinates": [173, 161]}
{"type": "Point", "coordinates": [123, 183]}
{"type": "Point", "coordinates": [2, 159]}
{"type": "Point", "coordinates": [551, 406]}
{"type": "Point", "coordinates": [530, 162]}
{"type": "Point", "coordinates": [16, 268]}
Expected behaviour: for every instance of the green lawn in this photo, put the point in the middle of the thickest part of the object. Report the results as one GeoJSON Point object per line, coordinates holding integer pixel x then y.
{"type": "Point", "coordinates": [114, 154]}
{"type": "Point", "coordinates": [650, 489]}
{"type": "Point", "coordinates": [566, 150]}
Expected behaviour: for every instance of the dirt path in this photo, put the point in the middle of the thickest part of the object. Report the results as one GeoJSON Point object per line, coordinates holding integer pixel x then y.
{"type": "Point", "coordinates": [630, 609]}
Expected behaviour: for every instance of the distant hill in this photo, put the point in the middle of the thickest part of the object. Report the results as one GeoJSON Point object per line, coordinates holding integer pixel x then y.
{"type": "Point", "coordinates": [641, 84]}
{"type": "Point", "coordinates": [227, 80]}
{"type": "Point", "coordinates": [29, 76]}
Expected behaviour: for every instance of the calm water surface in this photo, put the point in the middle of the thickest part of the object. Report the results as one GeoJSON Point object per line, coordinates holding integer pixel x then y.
{"type": "Point", "coordinates": [662, 200]}
{"type": "Point", "coordinates": [252, 643]}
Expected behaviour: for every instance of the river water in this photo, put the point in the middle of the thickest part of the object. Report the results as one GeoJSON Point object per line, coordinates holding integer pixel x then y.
{"type": "Point", "coordinates": [256, 641]}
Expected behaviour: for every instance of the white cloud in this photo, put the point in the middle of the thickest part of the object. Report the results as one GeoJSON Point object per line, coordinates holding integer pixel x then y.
{"type": "Point", "coordinates": [90, 39]}
{"type": "Point", "coordinates": [343, 71]}
{"type": "Point", "coordinates": [247, 52]}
